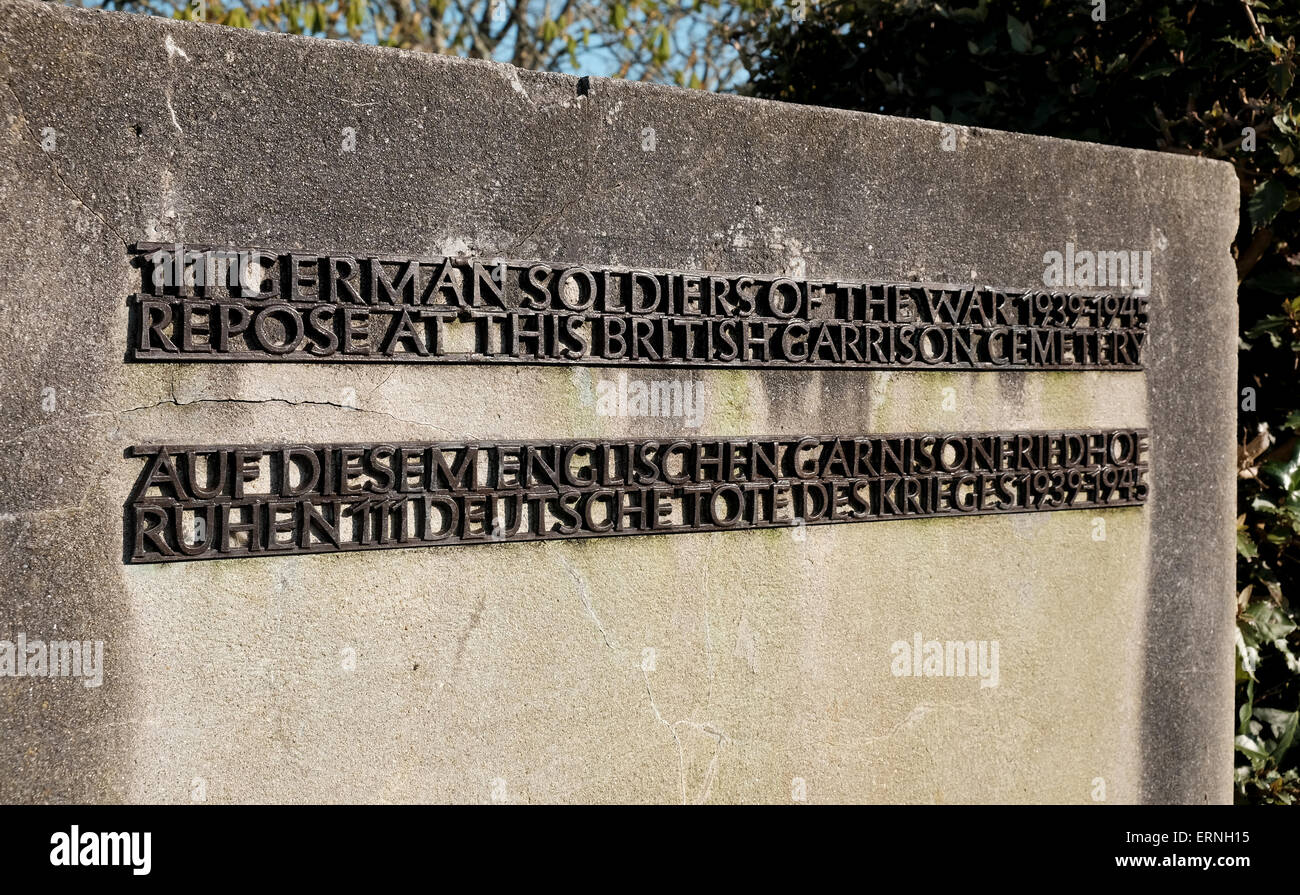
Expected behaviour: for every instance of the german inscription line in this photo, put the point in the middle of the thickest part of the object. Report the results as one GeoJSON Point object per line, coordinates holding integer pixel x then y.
{"type": "Point", "coordinates": [249, 304]}
{"type": "Point", "coordinates": [223, 501]}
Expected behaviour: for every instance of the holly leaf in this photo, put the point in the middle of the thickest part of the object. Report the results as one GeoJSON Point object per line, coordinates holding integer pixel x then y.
{"type": "Point", "coordinates": [1285, 739]}
{"type": "Point", "coordinates": [1280, 77]}
{"type": "Point", "coordinates": [1245, 546]}
{"type": "Point", "coordinates": [1267, 201]}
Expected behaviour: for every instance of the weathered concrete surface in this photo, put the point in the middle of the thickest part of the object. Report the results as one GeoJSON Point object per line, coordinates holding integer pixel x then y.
{"type": "Point", "coordinates": [521, 671]}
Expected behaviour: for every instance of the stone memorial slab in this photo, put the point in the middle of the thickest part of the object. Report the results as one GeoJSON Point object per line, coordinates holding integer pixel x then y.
{"type": "Point", "coordinates": [433, 355]}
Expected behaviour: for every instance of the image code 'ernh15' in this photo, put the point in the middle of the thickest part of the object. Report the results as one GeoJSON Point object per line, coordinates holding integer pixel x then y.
{"type": "Point", "coordinates": [249, 304]}
{"type": "Point", "coordinates": [222, 501]}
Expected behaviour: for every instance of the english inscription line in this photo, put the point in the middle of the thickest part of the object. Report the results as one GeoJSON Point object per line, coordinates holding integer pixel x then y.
{"type": "Point", "coordinates": [194, 502]}
{"type": "Point", "coordinates": [251, 304]}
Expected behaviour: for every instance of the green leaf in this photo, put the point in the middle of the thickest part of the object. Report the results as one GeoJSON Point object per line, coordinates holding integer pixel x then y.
{"type": "Point", "coordinates": [1280, 76]}
{"type": "Point", "coordinates": [661, 44]}
{"type": "Point", "coordinates": [1283, 471]}
{"type": "Point", "coordinates": [1279, 282]}
{"type": "Point", "coordinates": [1271, 324]}
{"type": "Point", "coordinates": [1285, 739]}
{"type": "Point", "coordinates": [1260, 505]}
{"type": "Point", "coordinates": [1266, 202]}
{"type": "Point", "coordinates": [1174, 36]}
{"type": "Point", "coordinates": [1266, 622]}
{"type": "Point", "coordinates": [1247, 655]}
{"type": "Point", "coordinates": [1156, 71]}
{"type": "Point", "coordinates": [1243, 713]}
{"type": "Point", "coordinates": [1236, 42]}
{"type": "Point", "coordinates": [1022, 39]}
{"type": "Point", "coordinates": [1251, 749]}
{"type": "Point", "coordinates": [1276, 719]}
{"type": "Point", "coordinates": [316, 18]}
{"type": "Point", "coordinates": [967, 15]}
{"type": "Point", "coordinates": [1245, 546]}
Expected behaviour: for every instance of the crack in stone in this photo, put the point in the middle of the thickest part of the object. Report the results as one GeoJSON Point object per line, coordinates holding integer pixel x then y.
{"type": "Point", "coordinates": [54, 169]}
{"type": "Point", "coordinates": [382, 383]}
{"type": "Point", "coordinates": [720, 740]}
{"type": "Point", "coordinates": [178, 403]}
{"type": "Point", "coordinates": [176, 124]}
{"type": "Point", "coordinates": [912, 719]}
{"type": "Point", "coordinates": [710, 773]}
{"type": "Point", "coordinates": [585, 598]}
{"type": "Point", "coordinates": [579, 195]}
{"type": "Point", "coordinates": [672, 729]}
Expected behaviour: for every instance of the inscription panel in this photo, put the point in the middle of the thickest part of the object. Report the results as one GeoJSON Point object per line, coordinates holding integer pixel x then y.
{"type": "Point", "coordinates": [249, 304]}
{"type": "Point", "coordinates": [223, 501]}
